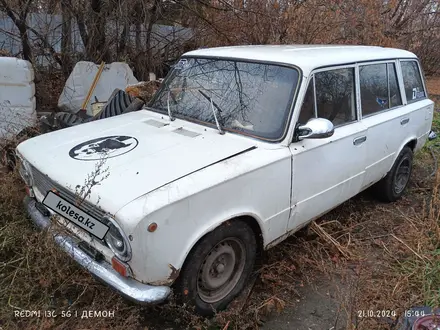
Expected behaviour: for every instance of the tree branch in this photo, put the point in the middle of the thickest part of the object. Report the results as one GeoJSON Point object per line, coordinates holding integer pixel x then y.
{"type": "Point", "coordinates": [9, 11]}
{"type": "Point", "coordinates": [26, 7]}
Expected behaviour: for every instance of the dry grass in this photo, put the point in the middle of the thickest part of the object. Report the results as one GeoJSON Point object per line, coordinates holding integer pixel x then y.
{"type": "Point", "coordinates": [392, 264]}
{"type": "Point", "coordinates": [48, 86]}
{"type": "Point", "coordinates": [433, 84]}
{"type": "Point", "coordinates": [380, 256]}
{"type": "Point", "coordinates": [35, 275]}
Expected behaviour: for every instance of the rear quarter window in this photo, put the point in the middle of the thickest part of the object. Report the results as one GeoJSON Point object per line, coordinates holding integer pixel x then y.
{"type": "Point", "coordinates": [412, 81]}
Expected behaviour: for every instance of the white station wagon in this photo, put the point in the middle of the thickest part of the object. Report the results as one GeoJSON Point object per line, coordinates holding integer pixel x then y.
{"type": "Point", "coordinates": [240, 147]}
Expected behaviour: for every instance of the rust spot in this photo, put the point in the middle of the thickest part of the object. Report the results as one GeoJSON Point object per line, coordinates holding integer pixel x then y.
{"type": "Point", "coordinates": [174, 272]}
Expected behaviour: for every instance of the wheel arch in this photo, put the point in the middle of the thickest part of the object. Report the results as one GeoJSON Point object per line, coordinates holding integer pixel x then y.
{"type": "Point", "coordinates": [251, 220]}
{"type": "Point", "coordinates": [410, 142]}
{"type": "Point", "coordinates": [385, 188]}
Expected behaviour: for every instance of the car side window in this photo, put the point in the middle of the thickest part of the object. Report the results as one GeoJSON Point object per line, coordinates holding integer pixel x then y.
{"type": "Point", "coordinates": [374, 88]}
{"type": "Point", "coordinates": [379, 88]}
{"type": "Point", "coordinates": [412, 81]}
{"type": "Point", "coordinates": [335, 97]}
{"type": "Point", "coordinates": [394, 91]}
{"type": "Point", "coordinates": [308, 107]}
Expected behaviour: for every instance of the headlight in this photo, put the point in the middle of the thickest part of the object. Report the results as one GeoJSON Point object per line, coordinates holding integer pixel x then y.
{"type": "Point", "coordinates": [25, 173]}
{"type": "Point", "coordinates": [117, 241]}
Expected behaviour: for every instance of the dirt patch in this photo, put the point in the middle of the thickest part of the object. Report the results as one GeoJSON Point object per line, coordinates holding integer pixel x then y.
{"type": "Point", "coordinates": [317, 307]}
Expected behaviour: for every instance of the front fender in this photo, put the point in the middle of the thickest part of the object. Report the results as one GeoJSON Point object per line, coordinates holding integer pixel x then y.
{"type": "Point", "coordinates": [167, 248]}
{"type": "Point", "coordinates": [188, 209]}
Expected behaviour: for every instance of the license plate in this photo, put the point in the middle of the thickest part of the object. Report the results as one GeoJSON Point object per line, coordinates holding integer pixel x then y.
{"type": "Point", "coordinates": [75, 215]}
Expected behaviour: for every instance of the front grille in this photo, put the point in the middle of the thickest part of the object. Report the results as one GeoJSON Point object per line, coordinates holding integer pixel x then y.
{"type": "Point", "coordinates": [43, 183]}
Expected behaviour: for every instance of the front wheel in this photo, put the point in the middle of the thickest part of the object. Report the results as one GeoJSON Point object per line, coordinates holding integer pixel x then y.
{"type": "Point", "coordinates": [393, 185]}
{"type": "Point", "coordinates": [217, 268]}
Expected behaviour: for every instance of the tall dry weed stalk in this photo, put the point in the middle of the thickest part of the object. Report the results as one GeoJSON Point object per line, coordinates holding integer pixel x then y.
{"type": "Point", "coordinates": [434, 209]}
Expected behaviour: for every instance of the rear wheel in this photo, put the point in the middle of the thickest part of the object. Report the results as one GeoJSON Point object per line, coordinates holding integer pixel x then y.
{"type": "Point", "coordinates": [217, 268]}
{"type": "Point", "coordinates": [393, 185]}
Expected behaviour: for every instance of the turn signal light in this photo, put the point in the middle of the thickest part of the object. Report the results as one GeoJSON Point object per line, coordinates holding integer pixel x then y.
{"type": "Point", "coordinates": [152, 227]}
{"type": "Point", "coordinates": [29, 191]}
{"type": "Point", "coordinates": [120, 267]}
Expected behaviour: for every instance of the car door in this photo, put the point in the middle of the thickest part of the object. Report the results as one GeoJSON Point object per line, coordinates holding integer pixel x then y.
{"type": "Point", "coordinates": [328, 171]}
{"type": "Point", "coordinates": [384, 113]}
{"type": "Point", "coordinates": [421, 108]}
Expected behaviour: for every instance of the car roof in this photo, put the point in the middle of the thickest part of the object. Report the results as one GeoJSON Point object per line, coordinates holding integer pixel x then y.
{"type": "Point", "coordinates": [306, 57]}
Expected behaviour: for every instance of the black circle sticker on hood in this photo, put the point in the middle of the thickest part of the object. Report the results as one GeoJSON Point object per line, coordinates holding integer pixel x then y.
{"type": "Point", "coordinates": [104, 147]}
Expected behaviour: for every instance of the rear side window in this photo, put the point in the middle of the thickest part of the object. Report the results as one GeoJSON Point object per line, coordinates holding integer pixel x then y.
{"type": "Point", "coordinates": [374, 88]}
{"type": "Point", "coordinates": [334, 98]}
{"type": "Point", "coordinates": [379, 88]}
{"type": "Point", "coordinates": [412, 81]}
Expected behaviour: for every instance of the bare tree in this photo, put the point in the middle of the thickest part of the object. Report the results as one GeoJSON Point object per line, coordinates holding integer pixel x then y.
{"type": "Point", "coordinates": [18, 13]}
{"type": "Point", "coordinates": [66, 38]}
{"type": "Point", "coordinates": [124, 30]}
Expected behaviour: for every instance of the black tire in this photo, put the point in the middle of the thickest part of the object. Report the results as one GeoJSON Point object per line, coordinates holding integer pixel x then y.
{"type": "Point", "coordinates": [393, 185]}
{"type": "Point", "coordinates": [191, 290]}
{"type": "Point", "coordinates": [115, 106]}
{"type": "Point", "coordinates": [66, 119]}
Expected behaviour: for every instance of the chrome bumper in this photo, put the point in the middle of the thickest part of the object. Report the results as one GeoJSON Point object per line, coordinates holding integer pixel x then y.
{"type": "Point", "coordinates": [130, 288]}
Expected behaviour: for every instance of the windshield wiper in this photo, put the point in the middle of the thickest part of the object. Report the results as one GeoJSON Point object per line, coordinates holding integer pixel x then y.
{"type": "Point", "coordinates": [168, 106]}
{"type": "Point", "coordinates": [213, 104]}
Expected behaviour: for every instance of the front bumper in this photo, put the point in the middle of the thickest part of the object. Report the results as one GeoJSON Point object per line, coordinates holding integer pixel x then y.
{"type": "Point", "coordinates": [130, 288]}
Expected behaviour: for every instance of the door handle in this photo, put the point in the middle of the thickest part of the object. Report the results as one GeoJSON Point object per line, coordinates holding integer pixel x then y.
{"type": "Point", "coordinates": [359, 140]}
{"type": "Point", "coordinates": [404, 121]}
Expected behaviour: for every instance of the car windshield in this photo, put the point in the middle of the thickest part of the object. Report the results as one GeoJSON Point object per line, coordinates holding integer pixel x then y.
{"type": "Point", "coordinates": [251, 98]}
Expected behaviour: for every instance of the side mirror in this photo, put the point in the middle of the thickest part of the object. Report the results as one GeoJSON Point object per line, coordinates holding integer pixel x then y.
{"type": "Point", "coordinates": [316, 128]}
